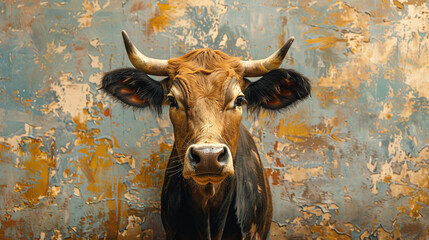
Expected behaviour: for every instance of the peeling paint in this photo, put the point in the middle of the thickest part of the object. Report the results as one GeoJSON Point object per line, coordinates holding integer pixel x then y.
{"type": "Point", "coordinates": [349, 163]}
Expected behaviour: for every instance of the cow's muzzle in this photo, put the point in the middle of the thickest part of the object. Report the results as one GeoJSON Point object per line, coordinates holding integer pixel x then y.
{"type": "Point", "coordinates": [208, 163]}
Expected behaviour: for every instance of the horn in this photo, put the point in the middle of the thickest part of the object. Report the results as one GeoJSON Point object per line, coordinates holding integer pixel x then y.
{"type": "Point", "coordinates": [260, 67]}
{"type": "Point", "coordinates": [146, 64]}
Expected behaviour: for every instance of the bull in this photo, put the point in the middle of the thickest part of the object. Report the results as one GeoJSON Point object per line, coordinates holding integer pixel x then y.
{"type": "Point", "coordinates": [215, 186]}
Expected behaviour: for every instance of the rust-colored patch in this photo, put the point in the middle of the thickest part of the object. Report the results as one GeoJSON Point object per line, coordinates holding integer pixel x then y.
{"type": "Point", "coordinates": [137, 6]}
{"type": "Point", "coordinates": [274, 174]}
{"type": "Point", "coordinates": [279, 163]}
{"type": "Point", "coordinates": [107, 112]}
{"type": "Point", "coordinates": [413, 228]}
{"type": "Point", "coordinates": [4, 148]}
{"type": "Point", "coordinates": [9, 224]}
{"type": "Point", "coordinates": [147, 29]}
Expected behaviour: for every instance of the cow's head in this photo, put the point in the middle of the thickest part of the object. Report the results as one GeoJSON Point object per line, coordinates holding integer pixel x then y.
{"type": "Point", "coordinates": [206, 91]}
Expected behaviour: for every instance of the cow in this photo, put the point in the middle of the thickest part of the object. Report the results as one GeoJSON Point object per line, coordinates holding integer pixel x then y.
{"type": "Point", "coordinates": [215, 186]}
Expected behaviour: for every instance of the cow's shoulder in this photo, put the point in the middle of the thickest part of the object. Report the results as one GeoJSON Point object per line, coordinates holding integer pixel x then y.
{"type": "Point", "coordinates": [253, 196]}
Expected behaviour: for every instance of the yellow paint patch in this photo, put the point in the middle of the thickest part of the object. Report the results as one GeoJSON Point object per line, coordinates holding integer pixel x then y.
{"type": "Point", "coordinates": [340, 16]}
{"type": "Point", "coordinates": [324, 42]}
{"type": "Point", "coordinates": [36, 165]}
{"type": "Point", "coordinates": [174, 12]}
{"type": "Point", "coordinates": [159, 23]}
{"type": "Point", "coordinates": [398, 4]}
{"type": "Point", "coordinates": [295, 130]}
{"type": "Point", "coordinates": [96, 162]}
{"type": "Point", "coordinates": [297, 174]}
{"type": "Point", "coordinates": [149, 173]}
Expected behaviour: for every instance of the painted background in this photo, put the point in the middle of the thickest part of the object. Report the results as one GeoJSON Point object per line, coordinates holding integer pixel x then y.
{"type": "Point", "coordinates": [351, 162]}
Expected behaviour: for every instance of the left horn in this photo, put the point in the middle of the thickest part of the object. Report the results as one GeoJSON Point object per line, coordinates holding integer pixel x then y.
{"type": "Point", "coordinates": [260, 67]}
{"type": "Point", "coordinates": [146, 64]}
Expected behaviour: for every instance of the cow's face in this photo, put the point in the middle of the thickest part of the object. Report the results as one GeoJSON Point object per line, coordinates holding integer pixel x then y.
{"type": "Point", "coordinates": [206, 91]}
{"type": "Point", "coordinates": [205, 110]}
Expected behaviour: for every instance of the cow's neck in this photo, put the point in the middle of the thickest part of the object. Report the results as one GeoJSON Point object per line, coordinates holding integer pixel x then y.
{"type": "Point", "coordinates": [209, 196]}
{"type": "Point", "coordinates": [211, 206]}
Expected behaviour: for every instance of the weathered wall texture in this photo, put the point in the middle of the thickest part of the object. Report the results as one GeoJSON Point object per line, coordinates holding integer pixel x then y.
{"type": "Point", "coordinates": [352, 162]}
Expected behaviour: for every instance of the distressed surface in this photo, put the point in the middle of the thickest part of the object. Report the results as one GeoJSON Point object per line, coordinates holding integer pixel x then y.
{"type": "Point", "coordinates": [352, 162]}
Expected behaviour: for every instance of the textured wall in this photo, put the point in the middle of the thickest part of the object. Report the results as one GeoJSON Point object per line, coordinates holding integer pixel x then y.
{"type": "Point", "coordinates": [351, 162]}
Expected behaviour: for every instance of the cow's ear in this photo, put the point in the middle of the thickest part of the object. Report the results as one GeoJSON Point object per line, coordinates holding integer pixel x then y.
{"type": "Point", "coordinates": [135, 88]}
{"type": "Point", "coordinates": [277, 90]}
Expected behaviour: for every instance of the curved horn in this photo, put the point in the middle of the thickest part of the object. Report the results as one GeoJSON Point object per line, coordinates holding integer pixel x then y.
{"type": "Point", "coordinates": [146, 64]}
{"type": "Point", "coordinates": [260, 67]}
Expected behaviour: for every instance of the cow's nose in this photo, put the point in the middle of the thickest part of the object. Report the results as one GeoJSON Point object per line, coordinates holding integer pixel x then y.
{"type": "Point", "coordinates": [208, 160]}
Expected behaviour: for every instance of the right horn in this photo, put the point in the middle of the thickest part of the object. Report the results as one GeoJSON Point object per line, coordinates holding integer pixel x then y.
{"type": "Point", "coordinates": [258, 68]}
{"type": "Point", "coordinates": [146, 64]}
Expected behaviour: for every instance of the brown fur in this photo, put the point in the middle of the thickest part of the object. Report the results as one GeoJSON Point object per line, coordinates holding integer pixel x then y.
{"type": "Point", "coordinates": [202, 80]}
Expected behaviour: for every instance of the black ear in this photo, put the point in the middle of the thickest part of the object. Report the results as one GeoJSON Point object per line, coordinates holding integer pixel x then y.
{"type": "Point", "coordinates": [277, 90]}
{"type": "Point", "coordinates": [134, 88]}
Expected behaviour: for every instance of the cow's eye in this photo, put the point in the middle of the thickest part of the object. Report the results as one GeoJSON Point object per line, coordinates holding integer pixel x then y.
{"type": "Point", "coordinates": [173, 103]}
{"type": "Point", "coordinates": [239, 101]}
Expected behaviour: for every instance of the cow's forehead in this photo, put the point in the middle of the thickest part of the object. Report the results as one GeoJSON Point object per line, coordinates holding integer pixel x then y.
{"type": "Point", "coordinates": [205, 72]}
{"type": "Point", "coordinates": [219, 85]}
{"type": "Point", "coordinates": [202, 62]}
{"type": "Point", "coordinates": [204, 79]}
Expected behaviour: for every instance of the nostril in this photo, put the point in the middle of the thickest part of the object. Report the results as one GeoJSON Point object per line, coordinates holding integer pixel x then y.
{"type": "Point", "coordinates": [194, 158]}
{"type": "Point", "coordinates": [223, 156]}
